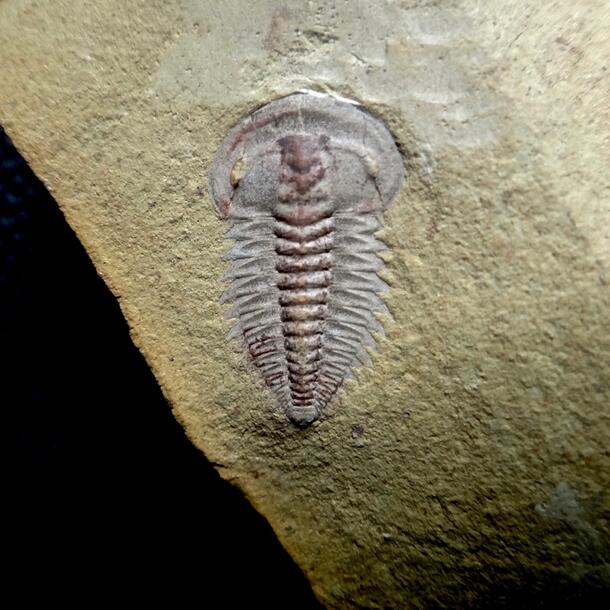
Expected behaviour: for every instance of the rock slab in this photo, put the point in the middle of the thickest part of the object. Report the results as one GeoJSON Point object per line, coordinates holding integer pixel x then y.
{"type": "Point", "coordinates": [470, 465]}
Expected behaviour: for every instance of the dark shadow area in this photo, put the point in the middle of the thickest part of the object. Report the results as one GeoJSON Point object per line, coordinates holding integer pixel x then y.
{"type": "Point", "coordinates": [103, 489]}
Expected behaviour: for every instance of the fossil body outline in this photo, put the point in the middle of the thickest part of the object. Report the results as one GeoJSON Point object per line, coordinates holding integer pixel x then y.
{"type": "Point", "coordinates": [303, 182]}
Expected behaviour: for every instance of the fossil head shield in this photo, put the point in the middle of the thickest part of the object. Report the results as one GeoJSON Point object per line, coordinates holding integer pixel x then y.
{"type": "Point", "coordinates": [303, 182]}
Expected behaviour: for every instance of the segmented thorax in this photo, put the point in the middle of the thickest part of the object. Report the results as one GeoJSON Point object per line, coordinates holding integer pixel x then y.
{"type": "Point", "coordinates": [303, 182]}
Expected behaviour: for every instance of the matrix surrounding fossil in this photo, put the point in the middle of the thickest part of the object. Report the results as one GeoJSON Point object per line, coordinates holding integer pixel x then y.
{"type": "Point", "coordinates": [303, 182]}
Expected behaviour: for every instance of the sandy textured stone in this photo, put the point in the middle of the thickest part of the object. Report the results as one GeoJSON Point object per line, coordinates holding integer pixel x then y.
{"type": "Point", "coordinates": [472, 462]}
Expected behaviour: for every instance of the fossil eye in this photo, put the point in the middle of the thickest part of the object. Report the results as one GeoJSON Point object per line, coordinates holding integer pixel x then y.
{"type": "Point", "coordinates": [304, 283]}
{"type": "Point", "coordinates": [237, 173]}
{"type": "Point", "coordinates": [372, 166]}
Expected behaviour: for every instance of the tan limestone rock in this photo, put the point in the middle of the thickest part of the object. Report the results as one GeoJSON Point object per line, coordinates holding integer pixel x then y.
{"type": "Point", "coordinates": [472, 460]}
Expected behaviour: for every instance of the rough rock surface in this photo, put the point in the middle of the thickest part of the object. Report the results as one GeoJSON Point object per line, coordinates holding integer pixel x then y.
{"type": "Point", "coordinates": [470, 465]}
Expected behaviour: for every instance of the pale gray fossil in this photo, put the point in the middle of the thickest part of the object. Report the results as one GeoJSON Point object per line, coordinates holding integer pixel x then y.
{"type": "Point", "coordinates": [303, 182]}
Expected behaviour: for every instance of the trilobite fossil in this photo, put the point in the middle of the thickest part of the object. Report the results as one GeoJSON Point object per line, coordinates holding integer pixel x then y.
{"type": "Point", "coordinates": [303, 182]}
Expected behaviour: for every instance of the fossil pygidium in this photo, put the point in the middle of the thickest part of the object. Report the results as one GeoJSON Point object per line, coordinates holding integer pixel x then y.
{"type": "Point", "coordinates": [303, 182]}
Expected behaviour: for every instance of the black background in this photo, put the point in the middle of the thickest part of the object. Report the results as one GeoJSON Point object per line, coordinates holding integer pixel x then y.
{"type": "Point", "coordinates": [104, 494]}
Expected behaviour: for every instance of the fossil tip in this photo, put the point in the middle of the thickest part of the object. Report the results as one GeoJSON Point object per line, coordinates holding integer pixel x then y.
{"type": "Point", "coordinates": [302, 416]}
